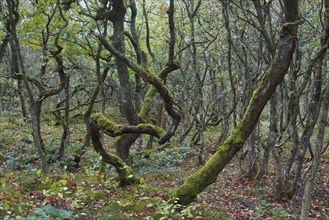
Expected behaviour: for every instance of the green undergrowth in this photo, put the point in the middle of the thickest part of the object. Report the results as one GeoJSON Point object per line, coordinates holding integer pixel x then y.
{"type": "Point", "coordinates": [77, 196]}
{"type": "Point", "coordinates": [70, 192]}
{"type": "Point", "coordinates": [164, 160]}
{"type": "Point", "coordinates": [75, 193]}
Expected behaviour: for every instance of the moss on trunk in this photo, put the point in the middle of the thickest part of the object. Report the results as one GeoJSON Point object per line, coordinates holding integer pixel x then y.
{"type": "Point", "coordinates": [205, 176]}
{"type": "Point", "coordinates": [125, 173]}
{"type": "Point", "coordinates": [112, 129]}
{"type": "Point", "coordinates": [209, 172]}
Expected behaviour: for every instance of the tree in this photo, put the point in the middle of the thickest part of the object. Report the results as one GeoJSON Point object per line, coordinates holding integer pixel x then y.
{"type": "Point", "coordinates": [37, 89]}
{"type": "Point", "coordinates": [316, 103]}
{"type": "Point", "coordinates": [128, 134]}
{"type": "Point", "coordinates": [234, 143]}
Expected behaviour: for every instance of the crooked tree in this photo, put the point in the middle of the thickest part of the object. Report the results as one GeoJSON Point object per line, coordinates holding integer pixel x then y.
{"type": "Point", "coordinates": [37, 89]}
{"type": "Point", "coordinates": [136, 113]}
{"type": "Point", "coordinates": [207, 175]}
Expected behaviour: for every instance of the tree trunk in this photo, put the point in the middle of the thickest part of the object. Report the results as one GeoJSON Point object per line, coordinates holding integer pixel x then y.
{"type": "Point", "coordinates": [125, 174]}
{"type": "Point", "coordinates": [2, 93]}
{"type": "Point", "coordinates": [293, 108]}
{"type": "Point", "coordinates": [316, 158]}
{"type": "Point", "coordinates": [3, 47]}
{"type": "Point", "coordinates": [20, 90]}
{"type": "Point", "coordinates": [279, 178]}
{"type": "Point", "coordinates": [207, 175]}
{"type": "Point", "coordinates": [65, 140]}
{"type": "Point", "coordinates": [124, 143]}
{"type": "Point", "coordinates": [35, 110]}
{"type": "Point", "coordinates": [314, 105]}
{"type": "Point", "coordinates": [251, 156]}
{"type": "Point", "coordinates": [320, 136]}
{"type": "Point", "coordinates": [272, 133]}
{"type": "Point", "coordinates": [226, 16]}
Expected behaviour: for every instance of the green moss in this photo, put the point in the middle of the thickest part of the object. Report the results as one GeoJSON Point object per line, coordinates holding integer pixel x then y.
{"type": "Point", "coordinates": [147, 105]}
{"type": "Point", "coordinates": [106, 124]}
{"type": "Point", "coordinates": [92, 179]}
{"type": "Point", "coordinates": [157, 129]}
{"type": "Point", "coordinates": [46, 185]}
{"type": "Point", "coordinates": [204, 176]}
{"type": "Point", "coordinates": [135, 207]}
{"type": "Point", "coordinates": [186, 192]}
{"type": "Point", "coordinates": [30, 183]}
{"type": "Point", "coordinates": [97, 195]}
{"type": "Point", "coordinates": [132, 178]}
{"type": "Point", "coordinates": [115, 211]}
{"type": "Point", "coordinates": [235, 138]}
{"type": "Point", "coordinates": [7, 125]}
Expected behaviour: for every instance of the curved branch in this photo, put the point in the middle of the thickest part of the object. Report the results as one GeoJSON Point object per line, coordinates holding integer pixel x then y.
{"type": "Point", "coordinates": [148, 99]}
{"type": "Point", "coordinates": [156, 81]}
{"type": "Point", "coordinates": [148, 33]}
{"type": "Point", "coordinates": [207, 175]}
{"type": "Point", "coordinates": [125, 173]}
{"type": "Point", "coordinates": [114, 130]}
{"type": "Point", "coordinates": [31, 79]}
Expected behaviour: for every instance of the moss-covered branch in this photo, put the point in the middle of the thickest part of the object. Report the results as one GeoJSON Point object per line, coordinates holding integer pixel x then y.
{"type": "Point", "coordinates": [112, 129]}
{"type": "Point", "coordinates": [30, 79]}
{"type": "Point", "coordinates": [148, 99]}
{"type": "Point", "coordinates": [126, 176]}
{"type": "Point", "coordinates": [205, 176]}
{"type": "Point", "coordinates": [154, 80]}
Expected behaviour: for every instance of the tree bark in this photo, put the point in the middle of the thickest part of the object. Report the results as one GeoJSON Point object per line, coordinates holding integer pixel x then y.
{"type": "Point", "coordinates": [273, 129]}
{"type": "Point", "coordinates": [313, 108]}
{"type": "Point", "coordinates": [207, 175]}
{"type": "Point", "coordinates": [35, 111]}
{"type": "Point", "coordinates": [320, 136]}
{"type": "Point", "coordinates": [35, 98]}
{"type": "Point", "coordinates": [126, 176]}
{"type": "Point", "coordinates": [3, 47]}
{"type": "Point", "coordinates": [117, 18]}
{"type": "Point", "coordinates": [118, 50]}
{"type": "Point", "coordinates": [65, 140]}
{"type": "Point", "coordinates": [316, 158]}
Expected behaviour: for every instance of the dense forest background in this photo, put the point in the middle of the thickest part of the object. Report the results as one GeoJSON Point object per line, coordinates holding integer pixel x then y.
{"type": "Point", "coordinates": [176, 109]}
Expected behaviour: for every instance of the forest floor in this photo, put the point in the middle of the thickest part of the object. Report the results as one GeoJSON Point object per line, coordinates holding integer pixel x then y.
{"type": "Point", "coordinates": [68, 192]}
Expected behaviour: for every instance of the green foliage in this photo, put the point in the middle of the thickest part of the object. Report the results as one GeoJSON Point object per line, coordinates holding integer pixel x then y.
{"type": "Point", "coordinates": [6, 137]}
{"type": "Point", "coordinates": [26, 138]}
{"type": "Point", "coordinates": [266, 210]}
{"type": "Point", "coordinates": [98, 195]}
{"type": "Point", "coordinates": [173, 210]}
{"type": "Point", "coordinates": [24, 188]}
{"type": "Point", "coordinates": [279, 214]}
{"type": "Point", "coordinates": [163, 161]}
{"type": "Point", "coordinates": [50, 212]}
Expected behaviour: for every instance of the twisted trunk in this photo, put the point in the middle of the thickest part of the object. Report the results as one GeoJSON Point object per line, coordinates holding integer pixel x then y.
{"type": "Point", "coordinates": [207, 175]}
